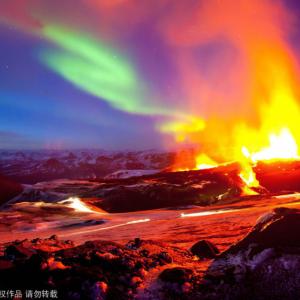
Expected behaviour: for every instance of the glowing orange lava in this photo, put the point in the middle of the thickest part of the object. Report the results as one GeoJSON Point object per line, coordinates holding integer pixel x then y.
{"type": "Point", "coordinates": [205, 162]}
{"type": "Point", "coordinates": [281, 146]}
{"type": "Point", "coordinates": [78, 205]}
{"type": "Point", "coordinates": [267, 128]}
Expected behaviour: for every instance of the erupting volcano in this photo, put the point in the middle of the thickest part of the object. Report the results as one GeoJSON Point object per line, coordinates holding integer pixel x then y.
{"type": "Point", "coordinates": [266, 128]}
{"type": "Point", "coordinates": [149, 150]}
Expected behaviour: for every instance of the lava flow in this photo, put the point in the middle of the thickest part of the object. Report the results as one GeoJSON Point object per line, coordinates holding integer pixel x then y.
{"type": "Point", "coordinates": [79, 206]}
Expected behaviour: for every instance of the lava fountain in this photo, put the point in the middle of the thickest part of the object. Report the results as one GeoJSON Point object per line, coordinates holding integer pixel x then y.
{"type": "Point", "coordinates": [269, 84]}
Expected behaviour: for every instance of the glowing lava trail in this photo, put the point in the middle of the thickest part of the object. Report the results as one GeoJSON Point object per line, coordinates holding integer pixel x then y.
{"type": "Point", "coordinates": [208, 213]}
{"type": "Point", "coordinates": [78, 205]}
{"type": "Point", "coordinates": [109, 227]}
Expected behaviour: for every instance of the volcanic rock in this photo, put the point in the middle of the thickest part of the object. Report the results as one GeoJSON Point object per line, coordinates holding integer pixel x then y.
{"type": "Point", "coordinates": [176, 275]}
{"type": "Point", "coordinates": [204, 249]}
{"type": "Point", "coordinates": [8, 189]}
{"type": "Point", "coordinates": [274, 230]}
{"type": "Point", "coordinates": [94, 270]}
{"type": "Point", "coordinates": [135, 244]}
{"type": "Point", "coordinates": [171, 189]}
{"type": "Point", "coordinates": [25, 248]}
{"type": "Point", "coordinates": [19, 251]}
{"type": "Point", "coordinates": [175, 283]}
{"type": "Point", "coordinates": [264, 265]}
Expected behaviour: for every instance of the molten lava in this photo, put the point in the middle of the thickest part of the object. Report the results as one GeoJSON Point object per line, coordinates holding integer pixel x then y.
{"type": "Point", "coordinates": [78, 205]}
{"type": "Point", "coordinates": [205, 162]}
{"type": "Point", "coordinates": [281, 146]}
{"type": "Point", "coordinates": [263, 124]}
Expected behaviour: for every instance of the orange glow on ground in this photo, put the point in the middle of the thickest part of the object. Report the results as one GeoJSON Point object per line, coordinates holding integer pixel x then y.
{"type": "Point", "coordinates": [78, 205]}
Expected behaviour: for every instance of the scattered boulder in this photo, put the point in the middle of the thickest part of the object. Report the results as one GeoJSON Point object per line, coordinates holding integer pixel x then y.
{"type": "Point", "coordinates": [205, 249]}
{"type": "Point", "coordinates": [93, 270]}
{"type": "Point", "coordinates": [134, 244]}
{"type": "Point", "coordinates": [176, 275]}
{"type": "Point", "coordinates": [175, 283]}
{"type": "Point", "coordinates": [19, 251]}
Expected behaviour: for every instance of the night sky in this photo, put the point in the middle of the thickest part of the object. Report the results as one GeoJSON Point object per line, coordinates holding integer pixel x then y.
{"type": "Point", "coordinates": [110, 73]}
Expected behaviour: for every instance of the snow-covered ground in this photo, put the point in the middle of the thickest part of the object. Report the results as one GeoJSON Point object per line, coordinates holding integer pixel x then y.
{"type": "Point", "coordinates": [130, 173]}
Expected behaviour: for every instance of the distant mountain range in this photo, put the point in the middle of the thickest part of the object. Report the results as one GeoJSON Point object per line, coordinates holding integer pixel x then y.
{"type": "Point", "coordinates": [35, 166]}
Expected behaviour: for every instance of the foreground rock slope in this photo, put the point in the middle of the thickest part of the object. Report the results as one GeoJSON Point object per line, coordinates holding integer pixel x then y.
{"type": "Point", "coordinates": [263, 265]}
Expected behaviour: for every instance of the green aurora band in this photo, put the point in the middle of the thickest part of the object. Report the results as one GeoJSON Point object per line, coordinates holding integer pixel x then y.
{"type": "Point", "coordinates": [103, 72]}
{"type": "Point", "coordinates": [99, 70]}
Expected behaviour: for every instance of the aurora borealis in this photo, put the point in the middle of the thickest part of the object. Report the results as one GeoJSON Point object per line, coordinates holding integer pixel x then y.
{"type": "Point", "coordinates": [96, 69]}
{"type": "Point", "coordinates": [126, 73]}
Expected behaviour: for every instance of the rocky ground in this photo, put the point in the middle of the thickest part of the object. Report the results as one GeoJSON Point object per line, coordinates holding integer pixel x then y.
{"type": "Point", "coordinates": [262, 265]}
{"type": "Point", "coordinates": [164, 189]}
{"type": "Point", "coordinates": [169, 235]}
